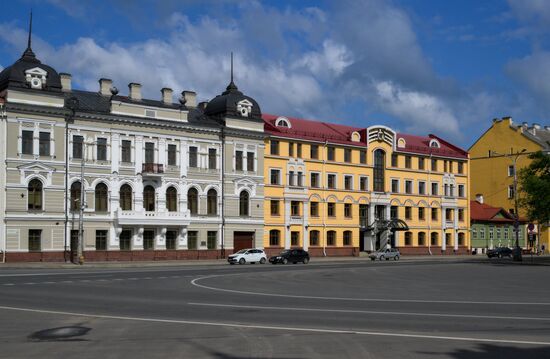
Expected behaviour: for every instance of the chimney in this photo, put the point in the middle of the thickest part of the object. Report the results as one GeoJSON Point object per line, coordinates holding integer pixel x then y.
{"type": "Point", "coordinates": [479, 198]}
{"type": "Point", "coordinates": [547, 128]}
{"type": "Point", "coordinates": [537, 126]}
{"type": "Point", "coordinates": [202, 105]}
{"type": "Point", "coordinates": [135, 91]}
{"type": "Point", "coordinates": [105, 86]}
{"type": "Point", "coordinates": [167, 95]}
{"type": "Point", "coordinates": [524, 124]}
{"type": "Point", "coordinates": [190, 98]}
{"type": "Point", "coordinates": [65, 82]}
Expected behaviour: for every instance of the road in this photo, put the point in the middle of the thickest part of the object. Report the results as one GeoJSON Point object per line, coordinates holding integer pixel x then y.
{"type": "Point", "coordinates": [360, 309]}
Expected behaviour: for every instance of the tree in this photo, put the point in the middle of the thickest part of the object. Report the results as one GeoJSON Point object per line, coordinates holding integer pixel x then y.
{"type": "Point", "coordinates": [534, 182]}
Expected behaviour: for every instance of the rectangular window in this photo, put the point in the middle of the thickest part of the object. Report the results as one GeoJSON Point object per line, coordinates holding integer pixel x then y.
{"type": "Point", "coordinates": [348, 210]}
{"type": "Point", "coordinates": [212, 158]}
{"type": "Point", "coordinates": [474, 233]}
{"type": "Point", "coordinates": [408, 212]}
{"type": "Point", "coordinates": [171, 239]}
{"type": "Point", "coordinates": [126, 151]}
{"type": "Point", "coordinates": [314, 209]}
{"type": "Point", "coordinates": [294, 238]}
{"type": "Point", "coordinates": [363, 215]}
{"type": "Point", "coordinates": [450, 166]}
{"type": "Point", "coordinates": [445, 166]}
{"type": "Point", "coordinates": [347, 238]}
{"type": "Point", "coordinates": [172, 155]}
{"type": "Point", "coordinates": [420, 163]}
{"type": "Point", "coordinates": [314, 238]}
{"type": "Point", "coordinates": [44, 148]}
{"type": "Point", "coordinates": [211, 239]}
{"type": "Point", "coordinates": [150, 152]}
{"type": "Point", "coordinates": [148, 240]}
{"type": "Point", "coordinates": [291, 178]}
{"type": "Point", "coordinates": [314, 180]}
{"type": "Point", "coordinates": [491, 233]}
{"type": "Point", "coordinates": [347, 155]}
{"type": "Point", "coordinates": [27, 142]}
{"type": "Point", "coordinates": [421, 187]}
{"type": "Point", "coordinates": [274, 207]}
{"type": "Point", "coordinates": [394, 212]}
{"type": "Point", "coordinates": [461, 214]}
{"type": "Point", "coordinates": [434, 164]}
{"type": "Point", "coordinates": [331, 153]}
{"type": "Point", "coordinates": [101, 240]}
{"type": "Point", "coordinates": [408, 162]}
{"type": "Point", "coordinates": [78, 142]}
{"type": "Point", "coordinates": [35, 244]}
{"type": "Point", "coordinates": [363, 156]}
{"type": "Point", "coordinates": [331, 209]}
{"type": "Point", "coordinates": [482, 233]}
{"type": "Point", "coordinates": [274, 147]}
{"type": "Point", "coordinates": [331, 181]}
{"type": "Point", "coordinates": [238, 160]}
{"type": "Point", "coordinates": [434, 214]}
{"type": "Point", "coordinates": [295, 208]}
{"type": "Point", "coordinates": [408, 186]}
{"type": "Point", "coordinates": [510, 191]}
{"type": "Point", "coordinates": [348, 182]}
{"type": "Point", "coordinates": [275, 177]}
{"type": "Point", "coordinates": [434, 189]}
{"type": "Point", "coordinates": [101, 149]}
{"type": "Point", "coordinates": [497, 233]}
{"type": "Point", "coordinates": [394, 160]}
{"type": "Point", "coordinates": [192, 239]}
{"type": "Point", "coordinates": [331, 238]}
{"type": "Point", "coordinates": [299, 150]}
{"type": "Point", "coordinates": [461, 190]}
{"type": "Point", "coordinates": [421, 215]}
{"type": "Point", "coordinates": [364, 183]}
{"type": "Point", "coordinates": [193, 157]}
{"type": "Point", "coordinates": [448, 214]}
{"type": "Point", "coordinates": [250, 161]}
{"type": "Point", "coordinates": [314, 152]}
{"type": "Point", "coordinates": [290, 149]}
{"type": "Point", "coordinates": [461, 167]}
{"type": "Point", "coordinates": [448, 240]}
{"type": "Point", "coordinates": [505, 231]}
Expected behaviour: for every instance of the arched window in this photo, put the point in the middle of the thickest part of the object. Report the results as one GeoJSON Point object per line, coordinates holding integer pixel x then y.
{"type": "Point", "coordinates": [314, 238]}
{"type": "Point", "coordinates": [347, 238]}
{"type": "Point", "coordinates": [101, 197]}
{"type": "Point", "coordinates": [243, 204]}
{"type": "Point", "coordinates": [408, 238]}
{"type": "Point", "coordinates": [378, 174]}
{"type": "Point", "coordinates": [212, 202]}
{"type": "Point", "coordinates": [172, 199]}
{"type": "Point", "coordinates": [434, 238]}
{"type": "Point", "coordinates": [149, 198]}
{"type": "Point", "coordinates": [193, 200]}
{"type": "Point", "coordinates": [331, 238]}
{"type": "Point", "coordinates": [34, 198]}
{"type": "Point", "coordinates": [75, 196]}
{"type": "Point", "coordinates": [126, 197]}
{"type": "Point", "coordinates": [274, 235]}
{"type": "Point", "coordinates": [421, 238]}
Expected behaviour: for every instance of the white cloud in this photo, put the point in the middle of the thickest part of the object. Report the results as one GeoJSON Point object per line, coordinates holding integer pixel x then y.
{"type": "Point", "coordinates": [533, 72]}
{"type": "Point", "coordinates": [330, 62]}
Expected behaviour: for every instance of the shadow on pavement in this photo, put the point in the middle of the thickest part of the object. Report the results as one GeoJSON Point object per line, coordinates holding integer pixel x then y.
{"type": "Point", "coordinates": [485, 351]}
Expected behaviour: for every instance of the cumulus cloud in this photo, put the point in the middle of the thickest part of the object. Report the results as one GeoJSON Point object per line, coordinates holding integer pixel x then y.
{"type": "Point", "coordinates": [533, 72]}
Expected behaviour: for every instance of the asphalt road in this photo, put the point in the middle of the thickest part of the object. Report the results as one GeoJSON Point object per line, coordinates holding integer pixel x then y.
{"type": "Point", "coordinates": [360, 309]}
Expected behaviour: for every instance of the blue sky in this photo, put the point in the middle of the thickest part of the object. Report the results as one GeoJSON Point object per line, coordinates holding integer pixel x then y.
{"type": "Point", "coordinates": [443, 67]}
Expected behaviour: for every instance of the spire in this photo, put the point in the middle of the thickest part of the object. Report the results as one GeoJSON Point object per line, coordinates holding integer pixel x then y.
{"type": "Point", "coordinates": [29, 54]}
{"type": "Point", "coordinates": [231, 86]}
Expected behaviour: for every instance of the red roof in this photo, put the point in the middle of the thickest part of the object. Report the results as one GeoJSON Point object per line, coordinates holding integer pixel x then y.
{"type": "Point", "coordinates": [485, 212]}
{"type": "Point", "coordinates": [310, 130]}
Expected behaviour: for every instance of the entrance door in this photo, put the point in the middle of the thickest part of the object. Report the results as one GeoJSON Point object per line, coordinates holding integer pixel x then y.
{"type": "Point", "coordinates": [243, 240]}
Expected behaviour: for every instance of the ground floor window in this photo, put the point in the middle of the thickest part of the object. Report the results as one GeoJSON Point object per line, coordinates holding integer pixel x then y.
{"type": "Point", "coordinates": [434, 238]}
{"type": "Point", "coordinates": [274, 238]}
{"type": "Point", "coordinates": [461, 239]}
{"type": "Point", "coordinates": [408, 238]}
{"type": "Point", "coordinates": [148, 239]}
{"type": "Point", "coordinates": [211, 239]}
{"type": "Point", "coordinates": [448, 239]}
{"type": "Point", "coordinates": [125, 240]}
{"type": "Point", "coordinates": [421, 239]}
{"type": "Point", "coordinates": [331, 238]}
{"type": "Point", "coordinates": [314, 238]}
{"type": "Point", "coordinates": [347, 238]}
{"type": "Point", "coordinates": [171, 239]}
{"type": "Point", "coordinates": [192, 238]}
{"type": "Point", "coordinates": [35, 240]}
{"type": "Point", "coordinates": [101, 240]}
{"type": "Point", "coordinates": [294, 238]}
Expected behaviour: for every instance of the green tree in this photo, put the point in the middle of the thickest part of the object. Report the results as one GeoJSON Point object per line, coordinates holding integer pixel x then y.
{"type": "Point", "coordinates": [534, 182]}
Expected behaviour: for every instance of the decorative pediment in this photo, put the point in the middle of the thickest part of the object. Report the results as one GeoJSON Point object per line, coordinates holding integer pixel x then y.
{"type": "Point", "coordinates": [36, 166]}
{"type": "Point", "coordinates": [36, 77]}
{"type": "Point", "coordinates": [34, 169]}
{"type": "Point", "coordinates": [245, 183]}
{"type": "Point", "coordinates": [381, 134]}
{"type": "Point", "coordinates": [244, 107]}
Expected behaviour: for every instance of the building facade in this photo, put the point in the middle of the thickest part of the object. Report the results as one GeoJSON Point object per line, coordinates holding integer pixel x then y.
{"type": "Point", "coordinates": [339, 190]}
{"type": "Point", "coordinates": [496, 156]}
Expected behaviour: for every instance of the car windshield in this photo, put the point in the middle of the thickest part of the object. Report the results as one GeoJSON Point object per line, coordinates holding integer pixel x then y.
{"type": "Point", "coordinates": [242, 251]}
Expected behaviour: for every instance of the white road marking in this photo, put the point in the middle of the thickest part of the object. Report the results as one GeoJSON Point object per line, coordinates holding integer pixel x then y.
{"type": "Point", "coordinates": [386, 300]}
{"type": "Point", "coordinates": [471, 316]}
{"type": "Point", "coordinates": [269, 327]}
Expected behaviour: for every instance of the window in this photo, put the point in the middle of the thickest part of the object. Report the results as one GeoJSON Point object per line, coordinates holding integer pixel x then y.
{"type": "Point", "coordinates": [274, 147]}
{"type": "Point", "coordinates": [78, 143]}
{"type": "Point", "coordinates": [125, 240]}
{"type": "Point", "coordinates": [150, 152]}
{"type": "Point", "coordinates": [347, 238]}
{"type": "Point", "coordinates": [363, 215]}
{"type": "Point", "coordinates": [408, 162]}
{"type": "Point", "coordinates": [347, 155]}
{"type": "Point", "coordinates": [445, 166]}
{"type": "Point", "coordinates": [348, 210]}
{"type": "Point", "coordinates": [314, 209]}
{"type": "Point", "coordinates": [275, 177]}
{"type": "Point", "coordinates": [211, 239]}
{"type": "Point", "coordinates": [314, 238]}
{"type": "Point", "coordinates": [448, 239]}
{"type": "Point", "coordinates": [101, 240]}
{"type": "Point", "coordinates": [238, 160]}
{"type": "Point", "coordinates": [434, 189]}
{"type": "Point", "coordinates": [364, 183]}
{"type": "Point", "coordinates": [331, 181]}
{"type": "Point", "coordinates": [408, 186]}
{"type": "Point", "coordinates": [291, 178]}
{"type": "Point", "coordinates": [498, 232]}
{"type": "Point", "coordinates": [193, 200]}
{"type": "Point", "coordinates": [452, 190]}
{"type": "Point", "coordinates": [421, 238]}
{"type": "Point", "coordinates": [348, 182]}
{"type": "Point", "coordinates": [44, 144]}
{"type": "Point", "coordinates": [148, 240]}
{"type": "Point", "coordinates": [101, 149]}
{"type": "Point", "coordinates": [126, 151]}
{"type": "Point", "coordinates": [171, 199]}
{"type": "Point", "coordinates": [212, 158]}
{"type": "Point", "coordinates": [394, 160]}
{"type": "Point", "coordinates": [149, 198]}
{"type": "Point", "coordinates": [27, 142]}
{"type": "Point", "coordinates": [243, 204]}
{"type": "Point", "coordinates": [75, 196]}
{"type": "Point", "coordinates": [421, 187]}
{"type": "Point", "coordinates": [491, 233]}
{"type": "Point", "coordinates": [505, 231]}
{"type": "Point", "coordinates": [171, 239]}
{"type": "Point", "coordinates": [474, 233]}
{"type": "Point", "coordinates": [434, 164]}
{"type": "Point", "coordinates": [450, 166]}
{"type": "Point", "coordinates": [101, 197]}
{"type": "Point", "coordinates": [314, 179]}
{"type": "Point", "coordinates": [331, 238]}
{"type": "Point", "coordinates": [461, 239]}
{"type": "Point", "coordinates": [314, 152]}
{"type": "Point", "coordinates": [363, 156]}
{"type": "Point", "coordinates": [294, 238]}
{"type": "Point", "coordinates": [290, 149]}
{"type": "Point", "coordinates": [460, 190]}
{"type": "Point", "coordinates": [274, 238]}
{"type": "Point", "coordinates": [126, 197]}
{"type": "Point", "coordinates": [295, 208]}
{"type": "Point", "coordinates": [331, 209]}
{"type": "Point", "coordinates": [395, 186]}
{"type": "Point", "coordinates": [331, 153]}
{"type": "Point", "coordinates": [461, 214]}
{"type": "Point", "coordinates": [434, 214]}
{"type": "Point", "coordinates": [379, 164]}
{"type": "Point", "coordinates": [35, 244]}
{"type": "Point", "coordinates": [34, 195]}
{"type": "Point", "coordinates": [193, 160]}
{"type": "Point", "coordinates": [394, 214]}
{"type": "Point", "coordinates": [300, 177]}
{"type": "Point", "coordinates": [408, 212]}
{"type": "Point", "coordinates": [482, 233]}
{"type": "Point", "coordinates": [420, 163]}
{"type": "Point", "coordinates": [408, 238]}
{"type": "Point", "coordinates": [461, 167]}
{"type": "Point", "coordinates": [446, 189]}
{"type": "Point", "coordinates": [172, 155]}
{"type": "Point", "coordinates": [421, 214]}
{"type": "Point", "coordinates": [434, 238]}
{"type": "Point", "coordinates": [448, 214]}
{"type": "Point", "coordinates": [299, 150]}
{"type": "Point", "coordinates": [212, 202]}
{"type": "Point", "coordinates": [250, 161]}
{"type": "Point", "coordinates": [192, 239]}
{"type": "Point", "coordinates": [274, 207]}
{"type": "Point", "coordinates": [510, 191]}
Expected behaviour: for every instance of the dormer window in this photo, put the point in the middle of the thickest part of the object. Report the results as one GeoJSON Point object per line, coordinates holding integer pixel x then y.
{"type": "Point", "coordinates": [401, 143]}
{"type": "Point", "coordinates": [244, 108]}
{"type": "Point", "coordinates": [36, 78]}
{"type": "Point", "coordinates": [355, 136]}
{"type": "Point", "coordinates": [282, 122]}
{"type": "Point", "coordinates": [434, 144]}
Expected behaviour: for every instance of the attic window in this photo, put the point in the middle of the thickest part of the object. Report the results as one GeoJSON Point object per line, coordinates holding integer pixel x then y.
{"type": "Point", "coordinates": [355, 136]}
{"type": "Point", "coordinates": [401, 143]}
{"type": "Point", "coordinates": [434, 144]}
{"type": "Point", "coordinates": [283, 122]}
{"type": "Point", "coordinates": [150, 113]}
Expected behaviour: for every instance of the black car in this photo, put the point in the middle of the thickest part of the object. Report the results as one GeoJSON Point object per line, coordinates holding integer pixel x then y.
{"type": "Point", "coordinates": [499, 252]}
{"type": "Point", "coordinates": [291, 255]}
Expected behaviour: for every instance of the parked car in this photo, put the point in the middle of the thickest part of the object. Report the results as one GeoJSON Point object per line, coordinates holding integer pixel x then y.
{"type": "Point", "coordinates": [291, 255]}
{"type": "Point", "coordinates": [249, 255]}
{"type": "Point", "coordinates": [387, 254]}
{"type": "Point", "coordinates": [500, 252]}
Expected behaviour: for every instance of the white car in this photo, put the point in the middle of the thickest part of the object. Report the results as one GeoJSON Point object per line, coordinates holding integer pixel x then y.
{"type": "Point", "coordinates": [249, 255]}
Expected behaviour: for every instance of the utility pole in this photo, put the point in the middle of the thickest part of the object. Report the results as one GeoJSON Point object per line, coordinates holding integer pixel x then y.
{"type": "Point", "coordinates": [80, 250]}
{"type": "Point", "coordinates": [517, 252]}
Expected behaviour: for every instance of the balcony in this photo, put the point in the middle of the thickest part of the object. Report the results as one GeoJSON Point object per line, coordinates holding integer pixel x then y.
{"type": "Point", "coordinates": [152, 168]}
{"type": "Point", "coordinates": [164, 218]}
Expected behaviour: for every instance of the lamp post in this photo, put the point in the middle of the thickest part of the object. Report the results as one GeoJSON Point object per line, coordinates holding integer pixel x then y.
{"type": "Point", "coordinates": [71, 104]}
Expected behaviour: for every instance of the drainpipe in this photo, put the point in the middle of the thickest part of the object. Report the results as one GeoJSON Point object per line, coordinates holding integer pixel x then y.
{"type": "Point", "coordinates": [3, 118]}
{"type": "Point", "coordinates": [325, 200]}
{"type": "Point", "coordinates": [429, 239]}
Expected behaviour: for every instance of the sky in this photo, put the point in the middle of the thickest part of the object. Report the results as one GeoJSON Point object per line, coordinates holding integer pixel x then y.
{"type": "Point", "coordinates": [427, 66]}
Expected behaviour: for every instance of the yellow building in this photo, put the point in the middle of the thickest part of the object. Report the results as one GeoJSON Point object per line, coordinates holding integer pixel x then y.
{"type": "Point", "coordinates": [339, 190]}
{"type": "Point", "coordinates": [492, 165]}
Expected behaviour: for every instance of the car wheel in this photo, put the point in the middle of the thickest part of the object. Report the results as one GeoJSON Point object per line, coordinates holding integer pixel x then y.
{"type": "Point", "coordinates": [500, 255]}
{"type": "Point", "coordinates": [241, 261]}
{"type": "Point", "coordinates": [285, 261]}
{"type": "Point", "coordinates": [373, 259]}
{"type": "Point", "coordinates": [305, 261]}
{"type": "Point", "coordinates": [396, 258]}
{"type": "Point", "coordinates": [382, 258]}
{"type": "Point", "coordinates": [262, 261]}
{"type": "Point", "coordinates": [231, 263]}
